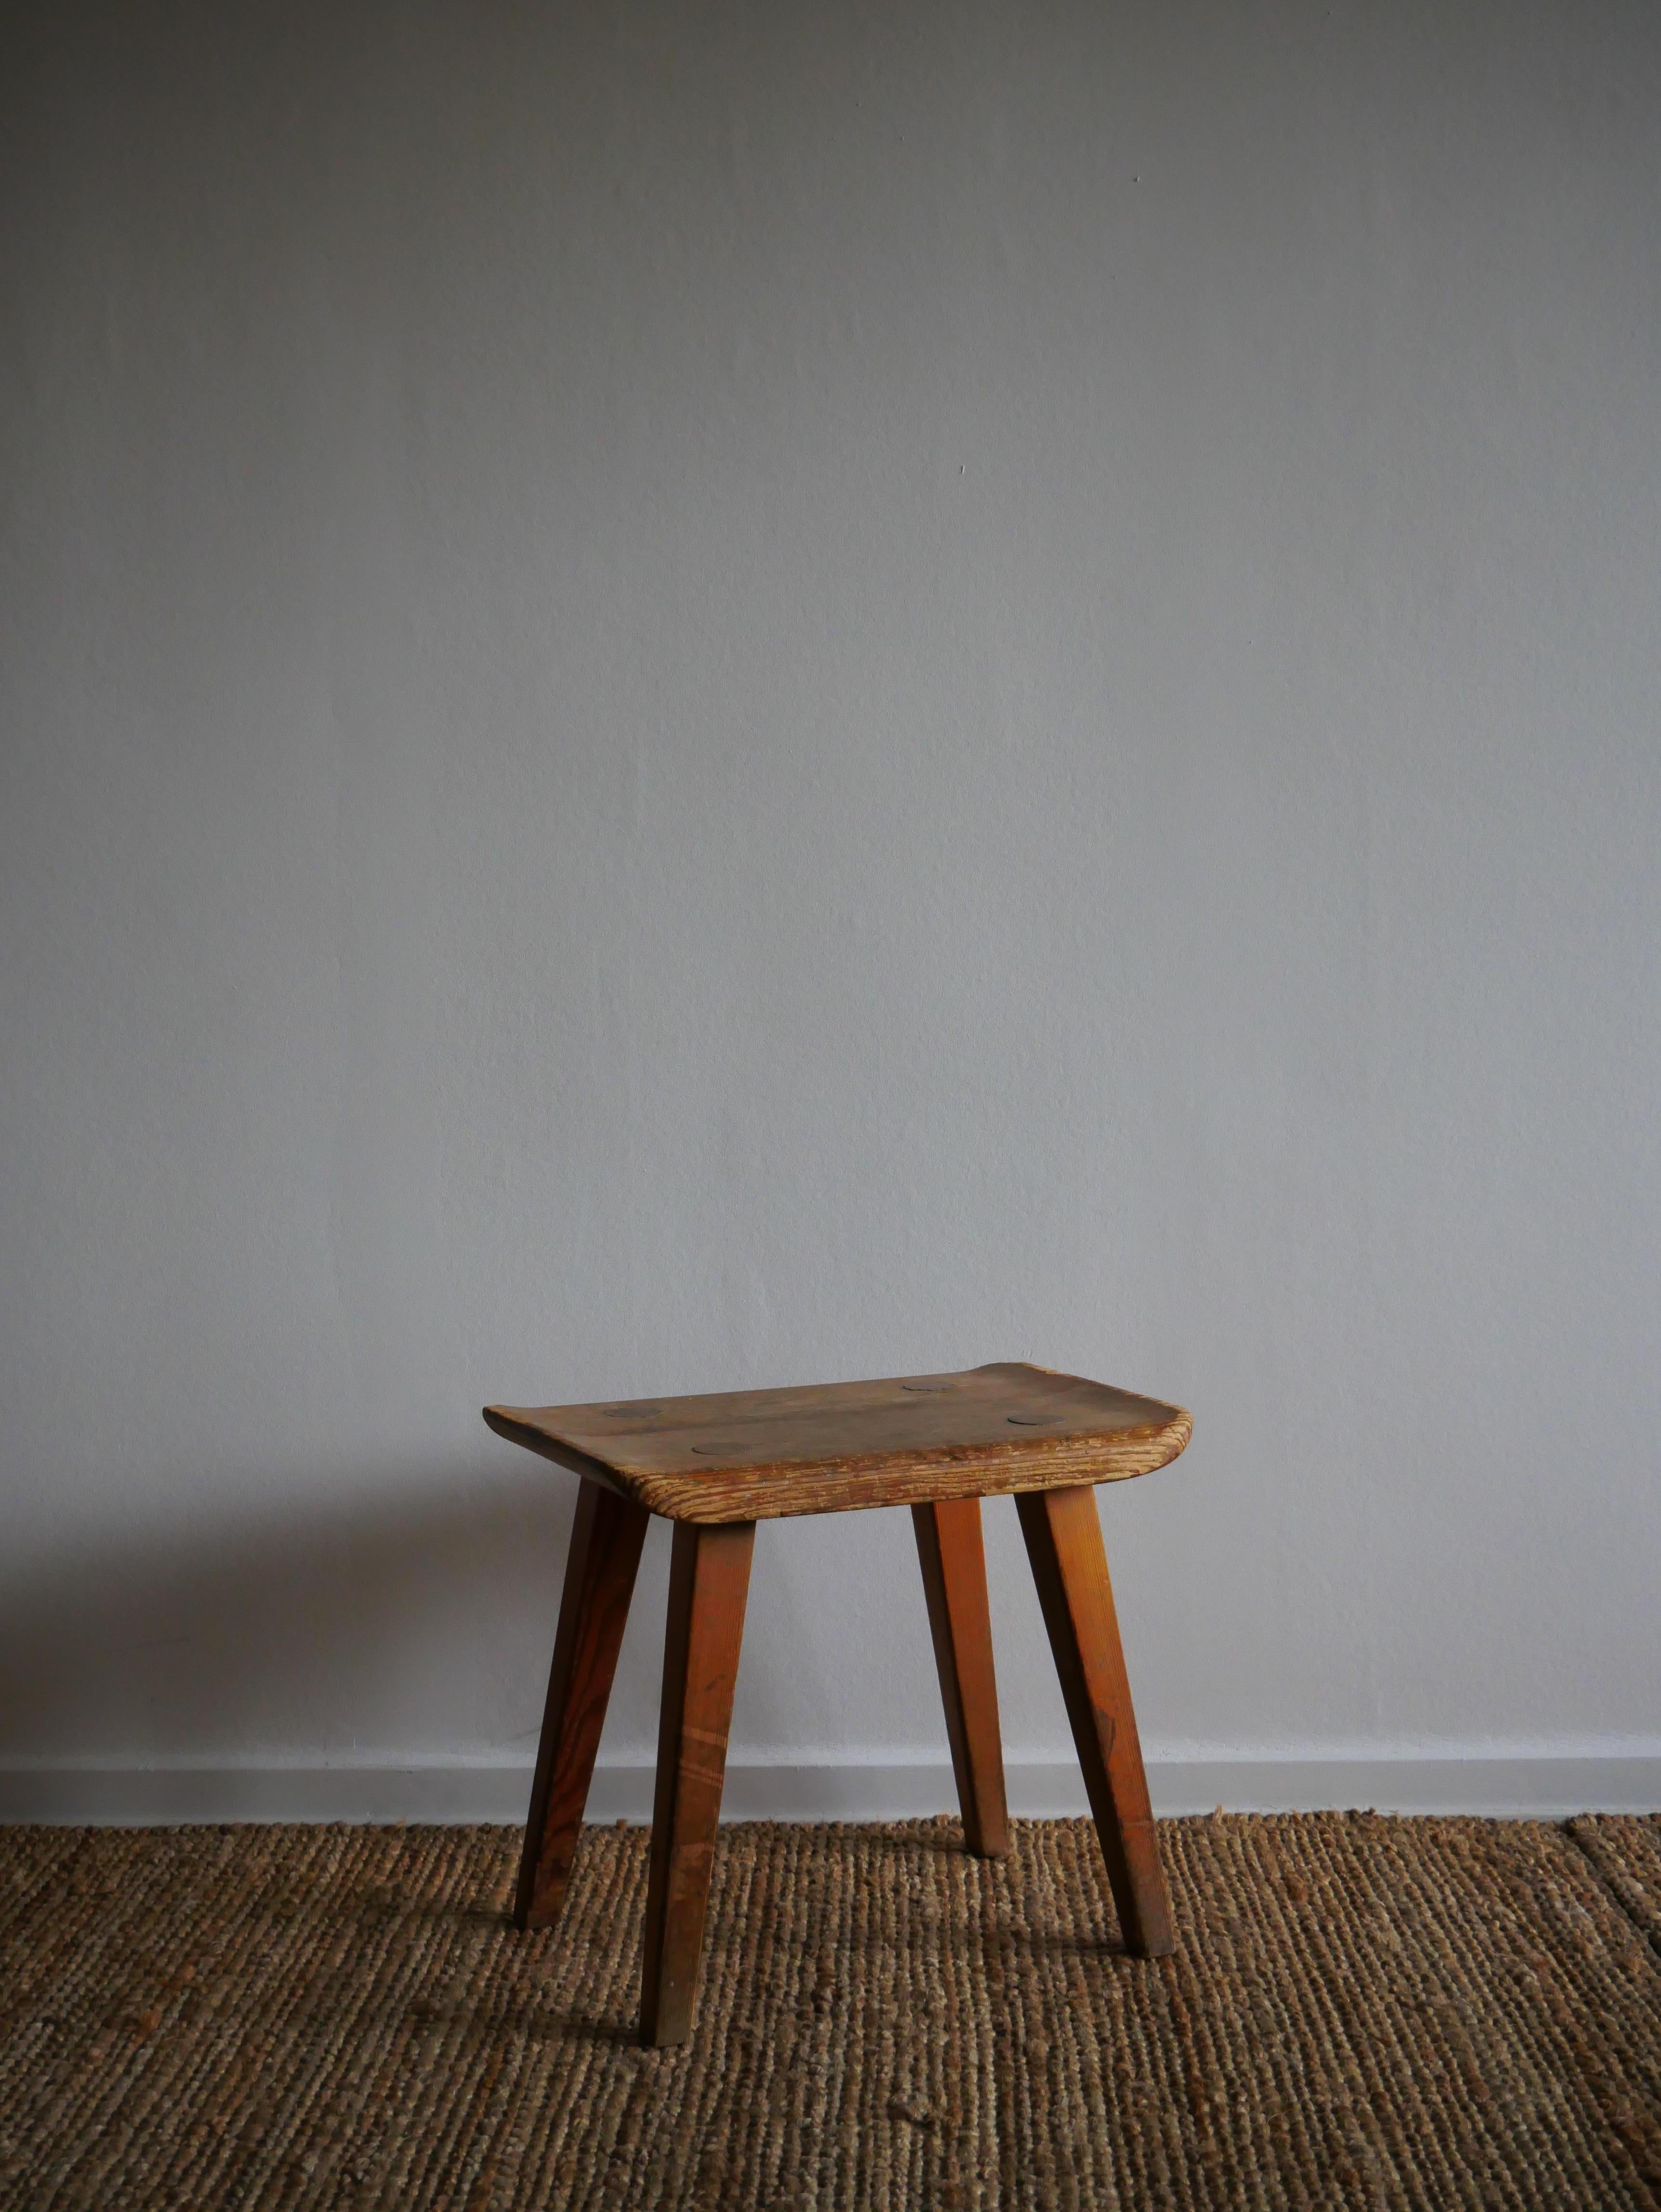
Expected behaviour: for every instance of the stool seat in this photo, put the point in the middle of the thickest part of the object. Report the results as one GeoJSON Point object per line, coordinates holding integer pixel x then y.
{"type": "Point", "coordinates": [910, 1439]}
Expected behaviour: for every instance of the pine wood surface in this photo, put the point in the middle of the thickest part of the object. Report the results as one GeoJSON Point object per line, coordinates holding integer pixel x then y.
{"type": "Point", "coordinates": [708, 1583]}
{"type": "Point", "coordinates": [600, 1580]}
{"type": "Point", "coordinates": [1063, 1535]}
{"type": "Point", "coordinates": [833, 1448]}
{"type": "Point", "coordinates": [953, 1555]}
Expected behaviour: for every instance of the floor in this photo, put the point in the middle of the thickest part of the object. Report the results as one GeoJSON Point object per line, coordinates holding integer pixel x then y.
{"type": "Point", "coordinates": [1362, 2011]}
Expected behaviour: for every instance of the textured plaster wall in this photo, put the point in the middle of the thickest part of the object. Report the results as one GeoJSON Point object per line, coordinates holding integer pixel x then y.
{"type": "Point", "coordinates": [703, 697]}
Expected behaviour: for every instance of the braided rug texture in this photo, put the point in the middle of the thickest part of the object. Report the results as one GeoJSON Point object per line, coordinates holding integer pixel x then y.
{"type": "Point", "coordinates": [1363, 2012]}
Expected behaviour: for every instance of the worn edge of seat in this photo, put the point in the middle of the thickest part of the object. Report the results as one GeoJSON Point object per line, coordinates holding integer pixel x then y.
{"type": "Point", "coordinates": [779, 1490]}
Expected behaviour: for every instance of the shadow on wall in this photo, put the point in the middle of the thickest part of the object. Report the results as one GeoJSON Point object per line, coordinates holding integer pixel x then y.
{"type": "Point", "coordinates": [374, 1624]}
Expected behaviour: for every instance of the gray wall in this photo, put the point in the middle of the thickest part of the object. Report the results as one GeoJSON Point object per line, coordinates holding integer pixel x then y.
{"type": "Point", "coordinates": [697, 698]}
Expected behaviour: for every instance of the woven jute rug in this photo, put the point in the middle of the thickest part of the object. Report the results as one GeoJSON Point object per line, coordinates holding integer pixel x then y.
{"type": "Point", "coordinates": [1362, 2012]}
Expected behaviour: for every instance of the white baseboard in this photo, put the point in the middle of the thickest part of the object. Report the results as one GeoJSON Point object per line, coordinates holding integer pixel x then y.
{"type": "Point", "coordinates": [1543, 1788]}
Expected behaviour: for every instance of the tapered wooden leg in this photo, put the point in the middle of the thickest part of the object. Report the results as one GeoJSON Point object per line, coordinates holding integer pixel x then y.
{"type": "Point", "coordinates": [1064, 1543]}
{"type": "Point", "coordinates": [954, 1581]}
{"type": "Point", "coordinates": [709, 1581]}
{"type": "Point", "coordinates": [600, 1580]}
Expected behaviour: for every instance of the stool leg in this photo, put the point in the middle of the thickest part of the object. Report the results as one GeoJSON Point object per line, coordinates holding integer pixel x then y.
{"type": "Point", "coordinates": [709, 1581]}
{"type": "Point", "coordinates": [600, 1580]}
{"type": "Point", "coordinates": [954, 1560]}
{"type": "Point", "coordinates": [1064, 1544]}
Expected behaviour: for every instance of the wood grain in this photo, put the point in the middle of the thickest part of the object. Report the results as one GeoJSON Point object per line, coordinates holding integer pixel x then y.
{"type": "Point", "coordinates": [1064, 1543]}
{"type": "Point", "coordinates": [593, 1610]}
{"type": "Point", "coordinates": [953, 1557]}
{"type": "Point", "coordinates": [708, 1581]}
{"type": "Point", "coordinates": [757, 1454]}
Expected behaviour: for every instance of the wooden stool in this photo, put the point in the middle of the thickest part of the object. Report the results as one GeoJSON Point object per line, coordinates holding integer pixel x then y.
{"type": "Point", "coordinates": [714, 1465]}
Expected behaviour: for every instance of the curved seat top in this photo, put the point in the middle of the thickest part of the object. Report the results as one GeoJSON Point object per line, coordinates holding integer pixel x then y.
{"type": "Point", "coordinates": [831, 1448]}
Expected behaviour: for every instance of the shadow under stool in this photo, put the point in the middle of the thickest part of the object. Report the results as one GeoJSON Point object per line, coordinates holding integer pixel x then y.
{"type": "Point", "coordinates": [716, 1465]}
